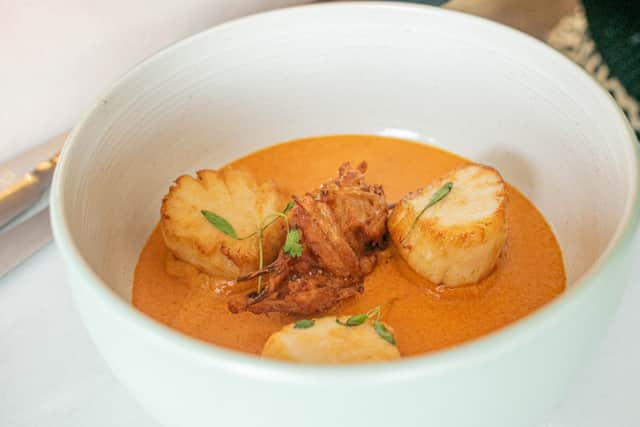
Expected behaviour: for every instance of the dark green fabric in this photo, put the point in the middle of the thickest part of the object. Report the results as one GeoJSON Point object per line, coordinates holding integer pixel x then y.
{"type": "Point", "coordinates": [615, 28]}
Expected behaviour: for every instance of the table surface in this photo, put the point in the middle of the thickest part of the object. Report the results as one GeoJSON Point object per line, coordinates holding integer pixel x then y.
{"type": "Point", "coordinates": [52, 375]}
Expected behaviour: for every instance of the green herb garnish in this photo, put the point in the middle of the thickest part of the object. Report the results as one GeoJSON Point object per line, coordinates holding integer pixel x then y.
{"type": "Point", "coordinates": [220, 223]}
{"type": "Point", "coordinates": [375, 312]}
{"type": "Point", "coordinates": [289, 206]}
{"type": "Point", "coordinates": [437, 196]}
{"type": "Point", "coordinates": [292, 245]}
{"type": "Point", "coordinates": [355, 320]}
{"type": "Point", "coordinates": [304, 324]}
{"type": "Point", "coordinates": [384, 333]}
{"type": "Point", "coordinates": [223, 225]}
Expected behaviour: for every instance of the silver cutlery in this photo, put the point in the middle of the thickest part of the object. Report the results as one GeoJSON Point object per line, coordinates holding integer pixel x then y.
{"type": "Point", "coordinates": [24, 213]}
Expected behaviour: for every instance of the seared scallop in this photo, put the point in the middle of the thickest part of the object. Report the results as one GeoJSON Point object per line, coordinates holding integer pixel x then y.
{"type": "Point", "coordinates": [230, 194]}
{"type": "Point", "coordinates": [458, 238]}
{"type": "Point", "coordinates": [325, 341]}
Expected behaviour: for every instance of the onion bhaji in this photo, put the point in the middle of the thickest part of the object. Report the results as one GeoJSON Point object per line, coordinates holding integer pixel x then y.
{"type": "Point", "coordinates": [342, 225]}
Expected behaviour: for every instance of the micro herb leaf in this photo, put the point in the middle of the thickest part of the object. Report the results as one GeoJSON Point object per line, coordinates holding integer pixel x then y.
{"type": "Point", "coordinates": [224, 226]}
{"type": "Point", "coordinates": [289, 206]}
{"type": "Point", "coordinates": [374, 313]}
{"type": "Point", "coordinates": [220, 223]}
{"type": "Point", "coordinates": [355, 320]}
{"type": "Point", "coordinates": [440, 194]}
{"type": "Point", "coordinates": [384, 333]}
{"type": "Point", "coordinates": [292, 245]}
{"type": "Point", "coordinates": [304, 324]}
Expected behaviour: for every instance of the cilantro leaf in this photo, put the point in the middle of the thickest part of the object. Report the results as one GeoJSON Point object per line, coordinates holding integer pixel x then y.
{"type": "Point", "coordinates": [292, 245]}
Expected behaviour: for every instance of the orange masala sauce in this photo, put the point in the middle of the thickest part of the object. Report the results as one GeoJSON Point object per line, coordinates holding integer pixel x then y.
{"type": "Point", "coordinates": [424, 317]}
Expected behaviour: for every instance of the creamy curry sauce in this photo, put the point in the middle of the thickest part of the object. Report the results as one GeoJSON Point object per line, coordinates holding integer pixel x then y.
{"type": "Point", "coordinates": [424, 317]}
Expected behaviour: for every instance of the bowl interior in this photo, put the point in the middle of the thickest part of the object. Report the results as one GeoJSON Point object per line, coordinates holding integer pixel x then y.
{"type": "Point", "coordinates": [469, 86]}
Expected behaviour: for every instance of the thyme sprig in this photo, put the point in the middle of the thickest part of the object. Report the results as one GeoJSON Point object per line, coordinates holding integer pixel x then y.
{"type": "Point", "coordinates": [224, 226]}
{"type": "Point", "coordinates": [292, 245]}
{"type": "Point", "coordinates": [375, 313]}
{"type": "Point", "coordinates": [440, 194]}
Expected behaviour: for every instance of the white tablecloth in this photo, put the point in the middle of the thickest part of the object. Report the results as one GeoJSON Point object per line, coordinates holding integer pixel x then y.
{"type": "Point", "coordinates": [55, 58]}
{"type": "Point", "coordinates": [52, 375]}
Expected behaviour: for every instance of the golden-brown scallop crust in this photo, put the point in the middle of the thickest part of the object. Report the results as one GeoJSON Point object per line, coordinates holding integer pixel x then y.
{"type": "Point", "coordinates": [327, 342]}
{"type": "Point", "coordinates": [458, 240]}
{"type": "Point", "coordinates": [233, 195]}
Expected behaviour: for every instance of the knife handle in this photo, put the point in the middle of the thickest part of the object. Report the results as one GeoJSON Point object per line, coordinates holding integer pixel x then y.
{"type": "Point", "coordinates": [24, 193]}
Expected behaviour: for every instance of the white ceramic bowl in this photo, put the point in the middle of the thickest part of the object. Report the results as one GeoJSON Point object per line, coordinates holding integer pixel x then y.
{"type": "Point", "coordinates": [462, 83]}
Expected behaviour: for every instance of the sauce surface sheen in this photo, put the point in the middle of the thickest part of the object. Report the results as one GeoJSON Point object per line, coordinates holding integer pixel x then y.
{"type": "Point", "coordinates": [424, 317]}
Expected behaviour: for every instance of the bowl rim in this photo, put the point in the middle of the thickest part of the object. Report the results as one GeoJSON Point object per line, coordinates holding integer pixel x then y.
{"type": "Point", "coordinates": [465, 354]}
